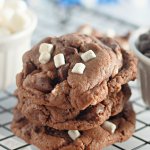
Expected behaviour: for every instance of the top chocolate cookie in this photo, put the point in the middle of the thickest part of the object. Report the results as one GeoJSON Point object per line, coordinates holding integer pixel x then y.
{"type": "Point", "coordinates": [69, 70]}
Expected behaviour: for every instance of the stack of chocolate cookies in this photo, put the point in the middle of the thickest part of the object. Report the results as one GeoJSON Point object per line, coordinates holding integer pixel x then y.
{"type": "Point", "coordinates": [73, 94]}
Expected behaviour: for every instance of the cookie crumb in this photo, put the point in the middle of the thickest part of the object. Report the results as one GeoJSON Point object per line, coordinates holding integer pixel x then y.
{"type": "Point", "coordinates": [74, 134]}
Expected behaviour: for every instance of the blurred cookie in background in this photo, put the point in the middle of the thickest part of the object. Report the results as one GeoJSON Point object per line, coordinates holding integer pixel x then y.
{"type": "Point", "coordinates": [121, 39]}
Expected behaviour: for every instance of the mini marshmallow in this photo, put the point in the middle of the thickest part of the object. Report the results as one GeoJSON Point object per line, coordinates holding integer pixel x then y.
{"type": "Point", "coordinates": [19, 21]}
{"type": "Point", "coordinates": [44, 58]}
{"type": "Point", "coordinates": [59, 60]}
{"type": "Point", "coordinates": [5, 16]}
{"type": "Point", "coordinates": [86, 30]}
{"type": "Point", "coordinates": [109, 126]}
{"type": "Point", "coordinates": [45, 47]}
{"type": "Point", "coordinates": [88, 55]}
{"type": "Point", "coordinates": [17, 5]}
{"type": "Point", "coordinates": [78, 68]}
{"type": "Point", "coordinates": [74, 134]}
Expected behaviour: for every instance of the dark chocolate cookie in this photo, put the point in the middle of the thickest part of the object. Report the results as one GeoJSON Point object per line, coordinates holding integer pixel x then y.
{"type": "Point", "coordinates": [71, 119]}
{"type": "Point", "coordinates": [118, 129]}
{"type": "Point", "coordinates": [121, 39]}
{"type": "Point", "coordinates": [61, 87]}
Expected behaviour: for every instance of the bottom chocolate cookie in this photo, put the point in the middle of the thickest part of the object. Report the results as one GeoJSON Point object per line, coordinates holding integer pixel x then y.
{"type": "Point", "coordinates": [119, 128]}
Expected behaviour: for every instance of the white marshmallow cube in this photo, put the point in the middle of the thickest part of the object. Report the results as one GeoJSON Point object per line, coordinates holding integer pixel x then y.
{"type": "Point", "coordinates": [45, 47]}
{"type": "Point", "coordinates": [74, 134]}
{"type": "Point", "coordinates": [5, 16]}
{"type": "Point", "coordinates": [19, 21]}
{"type": "Point", "coordinates": [78, 68]}
{"type": "Point", "coordinates": [17, 5]}
{"type": "Point", "coordinates": [44, 58]}
{"type": "Point", "coordinates": [88, 55]}
{"type": "Point", "coordinates": [59, 60]}
{"type": "Point", "coordinates": [109, 126]}
{"type": "Point", "coordinates": [86, 30]}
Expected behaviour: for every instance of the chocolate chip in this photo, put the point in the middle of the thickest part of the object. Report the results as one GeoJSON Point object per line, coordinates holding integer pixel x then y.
{"type": "Point", "coordinates": [56, 133]}
{"type": "Point", "coordinates": [63, 72]}
{"type": "Point", "coordinates": [147, 54]}
{"type": "Point", "coordinates": [70, 50]}
{"type": "Point", "coordinates": [43, 84]}
{"type": "Point", "coordinates": [55, 82]}
{"type": "Point", "coordinates": [144, 45]}
{"type": "Point", "coordinates": [52, 74]}
{"type": "Point", "coordinates": [144, 37]}
{"type": "Point", "coordinates": [39, 81]}
{"type": "Point", "coordinates": [114, 46]}
{"type": "Point", "coordinates": [37, 130]}
{"type": "Point", "coordinates": [91, 112]}
{"type": "Point", "coordinates": [50, 131]}
{"type": "Point", "coordinates": [21, 119]}
{"type": "Point", "coordinates": [28, 68]}
{"type": "Point", "coordinates": [110, 43]}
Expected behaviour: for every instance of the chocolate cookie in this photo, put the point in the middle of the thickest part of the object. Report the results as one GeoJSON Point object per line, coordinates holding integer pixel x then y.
{"type": "Point", "coordinates": [89, 30]}
{"type": "Point", "coordinates": [121, 39]}
{"type": "Point", "coordinates": [81, 88]}
{"type": "Point", "coordinates": [88, 65]}
{"type": "Point", "coordinates": [71, 119]}
{"type": "Point", "coordinates": [119, 128]}
{"type": "Point", "coordinates": [127, 72]}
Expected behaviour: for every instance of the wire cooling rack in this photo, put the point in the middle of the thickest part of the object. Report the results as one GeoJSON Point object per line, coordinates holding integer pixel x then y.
{"type": "Point", "coordinates": [55, 20]}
